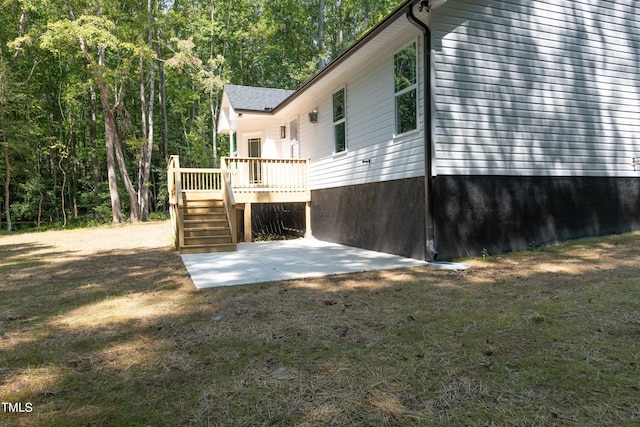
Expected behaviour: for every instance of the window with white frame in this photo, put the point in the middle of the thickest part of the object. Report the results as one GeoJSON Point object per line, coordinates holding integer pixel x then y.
{"type": "Point", "coordinates": [340, 121]}
{"type": "Point", "coordinates": [406, 89]}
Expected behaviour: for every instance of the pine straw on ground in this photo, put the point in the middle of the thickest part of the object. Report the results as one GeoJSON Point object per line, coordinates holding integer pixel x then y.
{"type": "Point", "coordinates": [104, 327]}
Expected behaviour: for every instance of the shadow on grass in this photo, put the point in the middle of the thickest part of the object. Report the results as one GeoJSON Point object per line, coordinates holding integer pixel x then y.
{"type": "Point", "coordinates": [123, 338]}
{"type": "Point", "coordinates": [73, 318]}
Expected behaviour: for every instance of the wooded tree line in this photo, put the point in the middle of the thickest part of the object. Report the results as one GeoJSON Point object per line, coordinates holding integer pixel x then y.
{"type": "Point", "coordinates": [95, 95]}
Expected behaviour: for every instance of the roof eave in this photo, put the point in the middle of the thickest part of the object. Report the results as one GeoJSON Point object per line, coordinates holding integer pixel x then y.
{"type": "Point", "coordinates": [377, 29]}
{"type": "Point", "coordinates": [248, 111]}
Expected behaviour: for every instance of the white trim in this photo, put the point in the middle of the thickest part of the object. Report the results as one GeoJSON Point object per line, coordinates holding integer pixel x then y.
{"type": "Point", "coordinates": [339, 154]}
{"type": "Point", "coordinates": [253, 135]}
{"type": "Point", "coordinates": [335, 123]}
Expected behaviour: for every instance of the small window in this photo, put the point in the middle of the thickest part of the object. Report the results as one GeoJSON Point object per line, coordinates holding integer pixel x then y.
{"type": "Point", "coordinates": [339, 121]}
{"type": "Point", "coordinates": [406, 90]}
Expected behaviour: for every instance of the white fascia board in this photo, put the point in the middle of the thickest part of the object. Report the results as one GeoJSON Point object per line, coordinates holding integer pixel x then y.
{"type": "Point", "coordinates": [225, 118]}
{"type": "Point", "coordinates": [224, 124]}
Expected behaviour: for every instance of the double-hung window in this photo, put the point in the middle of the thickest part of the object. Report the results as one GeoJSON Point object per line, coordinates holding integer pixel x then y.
{"type": "Point", "coordinates": [339, 121]}
{"type": "Point", "coordinates": [406, 89]}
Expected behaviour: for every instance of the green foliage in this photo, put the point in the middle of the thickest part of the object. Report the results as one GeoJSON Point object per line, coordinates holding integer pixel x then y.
{"type": "Point", "coordinates": [96, 31]}
{"type": "Point", "coordinates": [49, 85]}
{"type": "Point", "coordinates": [28, 201]}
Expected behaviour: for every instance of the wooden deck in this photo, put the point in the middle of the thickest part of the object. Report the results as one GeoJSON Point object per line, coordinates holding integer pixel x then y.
{"type": "Point", "coordinates": [198, 198]}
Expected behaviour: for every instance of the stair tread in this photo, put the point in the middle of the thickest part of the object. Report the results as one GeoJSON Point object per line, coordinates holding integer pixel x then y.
{"type": "Point", "coordinates": [220, 214]}
{"type": "Point", "coordinates": [206, 226]}
{"type": "Point", "coordinates": [228, 236]}
{"type": "Point", "coordinates": [203, 226]}
{"type": "Point", "coordinates": [205, 219]}
{"type": "Point", "coordinates": [188, 217]}
{"type": "Point", "coordinates": [226, 247]}
{"type": "Point", "coordinates": [204, 245]}
{"type": "Point", "coordinates": [210, 208]}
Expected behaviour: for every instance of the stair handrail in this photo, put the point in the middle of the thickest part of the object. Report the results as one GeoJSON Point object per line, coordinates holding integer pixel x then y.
{"type": "Point", "coordinates": [176, 201]}
{"type": "Point", "coordinates": [229, 202]}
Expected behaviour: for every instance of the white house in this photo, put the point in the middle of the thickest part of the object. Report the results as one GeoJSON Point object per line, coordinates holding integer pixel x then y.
{"type": "Point", "coordinates": [462, 125]}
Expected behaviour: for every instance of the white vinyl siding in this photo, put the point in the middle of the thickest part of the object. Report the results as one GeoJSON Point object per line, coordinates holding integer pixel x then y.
{"type": "Point", "coordinates": [537, 88]}
{"type": "Point", "coordinates": [370, 119]}
{"type": "Point", "coordinates": [266, 128]}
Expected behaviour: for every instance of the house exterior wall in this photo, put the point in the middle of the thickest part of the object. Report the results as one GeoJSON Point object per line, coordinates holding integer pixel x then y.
{"type": "Point", "coordinates": [505, 213]}
{"type": "Point", "coordinates": [377, 204]}
{"type": "Point", "coordinates": [537, 88]}
{"type": "Point", "coordinates": [384, 216]}
{"type": "Point", "coordinates": [260, 126]}
{"type": "Point", "coordinates": [370, 119]}
{"type": "Point", "coordinates": [536, 122]}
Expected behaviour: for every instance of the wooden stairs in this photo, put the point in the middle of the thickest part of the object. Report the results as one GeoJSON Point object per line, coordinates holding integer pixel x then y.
{"type": "Point", "coordinates": [205, 224]}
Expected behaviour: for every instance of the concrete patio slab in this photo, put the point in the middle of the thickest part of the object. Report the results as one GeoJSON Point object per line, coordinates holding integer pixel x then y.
{"type": "Point", "coordinates": [286, 260]}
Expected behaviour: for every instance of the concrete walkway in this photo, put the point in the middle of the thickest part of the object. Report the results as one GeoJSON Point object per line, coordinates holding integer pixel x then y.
{"type": "Point", "coordinates": [285, 260]}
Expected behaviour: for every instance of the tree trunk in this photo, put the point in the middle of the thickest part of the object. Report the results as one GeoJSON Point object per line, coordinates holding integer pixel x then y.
{"type": "Point", "coordinates": [73, 187]}
{"type": "Point", "coordinates": [41, 195]}
{"type": "Point", "coordinates": [134, 206]}
{"type": "Point", "coordinates": [163, 107]}
{"type": "Point", "coordinates": [212, 106]}
{"type": "Point", "coordinates": [143, 116]}
{"type": "Point", "coordinates": [64, 184]}
{"type": "Point", "coordinates": [110, 133]}
{"type": "Point", "coordinates": [148, 146]}
{"type": "Point", "coordinates": [93, 132]}
{"type": "Point", "coordinates": [214, 129]}
{"type": "Point", "coordinates": [7, 182]}
{"type": "Point", "coordinates": [112, 141]}
{"type": "Point", "coordinates": [340, 33]}
{"type": "Point", "coordinates": [21, 32]}
{"type": "Point", "coordinates": [146, 172]}
{"type": "Point", "coordinates": [323, 62]}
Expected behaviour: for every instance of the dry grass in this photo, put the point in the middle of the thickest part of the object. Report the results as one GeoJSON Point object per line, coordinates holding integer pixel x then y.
{"type": "Point", "coordinates": [104, 327]}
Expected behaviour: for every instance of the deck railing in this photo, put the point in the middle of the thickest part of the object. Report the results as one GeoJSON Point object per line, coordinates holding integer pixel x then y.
{"type": "Point", "coordinates": [250, 174]}
{"type": "Point", "coordinates": [272, 180]}
{"type": "Point", "coordinates": [194, 179]}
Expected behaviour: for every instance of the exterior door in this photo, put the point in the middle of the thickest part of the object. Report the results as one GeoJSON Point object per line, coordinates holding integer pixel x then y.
{"type": "Point", "coordinates": [255, 168]}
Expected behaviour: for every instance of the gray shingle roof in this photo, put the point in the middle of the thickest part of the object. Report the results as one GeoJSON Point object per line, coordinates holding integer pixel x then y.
{"type": "Point", "coordinates": [255, 98]}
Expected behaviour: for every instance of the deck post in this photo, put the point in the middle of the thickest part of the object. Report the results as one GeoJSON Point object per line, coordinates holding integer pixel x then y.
{"type": "Point", "coordinates": [307, 220]}
{"type": "Point", "coordinates": [247, 223]}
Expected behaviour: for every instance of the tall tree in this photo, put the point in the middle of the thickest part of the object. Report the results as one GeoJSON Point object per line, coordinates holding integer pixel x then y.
{"type": "Point", "coordinates": [94, 35]}
{"type": "Point", "coordinates": [69, 73]}
{"type": "Point", "coordinates": [147, 147]}
{"type": "Point", "coordinates": [5, 144]}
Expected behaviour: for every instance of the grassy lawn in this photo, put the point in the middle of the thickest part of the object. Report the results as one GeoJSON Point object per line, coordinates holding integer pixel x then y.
{"type": "Point", "coordinates": [103, 327]}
